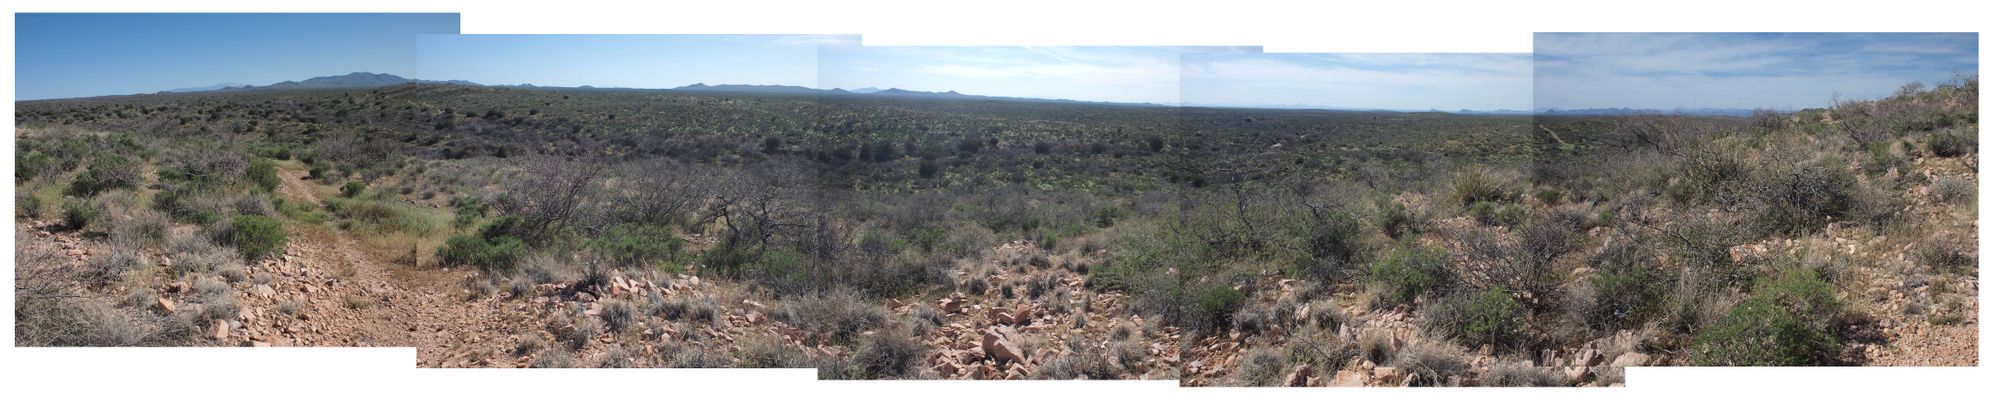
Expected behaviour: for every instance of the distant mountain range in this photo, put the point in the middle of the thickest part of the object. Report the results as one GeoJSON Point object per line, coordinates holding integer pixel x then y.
{"type": "Point", "coordinates": [1640, 111]}
{"type": "Point", "coordinates": [350, 80]}
{"type": "Point", "coordinates": [359, 80]}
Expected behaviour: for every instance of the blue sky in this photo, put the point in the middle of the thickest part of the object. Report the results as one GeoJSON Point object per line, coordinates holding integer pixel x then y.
{"type": "Point", "coordinates": [1116, 74]}
{"type": "Point", "coordinates": [81, 55]}
{"type": "Point", "coordinates": [636, 61]}
{"type": "Point", "coordinates": [1737, 70]}
{"type": "Point", "coordinates": [1394, 81]}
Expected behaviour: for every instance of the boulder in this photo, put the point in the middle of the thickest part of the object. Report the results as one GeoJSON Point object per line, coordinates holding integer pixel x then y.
{"type": "Point", "coordinates": [1587, 357]}
{"type": "Point", "coordinates": [164, 305]}
{"type": "Point", "coordinates": [1301, 376]}
{"type": "Point", "coordinates": [1349, 378]}
{"type": "Point", "coordinates": [999, 345]}
{"type": "Point", "coordinates": [950, 306]}
{"type": "Point", "coordinates": [1389, 376]}
{"type": "Point", "coordinates": [1023, 315]}
{"type": "Point", "coordinates": [221, 328]}
{"type": "Point", "coordinates": [1579, 374]}
{"type": "Point", "coordinates": [1631, 359]}
{"type": "Point", "coordinates": [263, 291]}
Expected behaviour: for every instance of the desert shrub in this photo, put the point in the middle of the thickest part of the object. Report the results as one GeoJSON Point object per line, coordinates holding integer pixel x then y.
{"type": "Point", "coordinates": [352, 189]}
{"type": "Point", "coordinates": [26, 205]}
{"type": "Point", "coordinates": [257, 236]}
{"type": "Point", "coordinates": [1089, 364]}
{"type": "Point", "coordinates": [839, 316]}
{"type": "Point", "coordinates": [1628, 285]}
{"type": "Point", "coordinates": [1410, 270]}
{"type": "Point", "coordinates": [106, 172]}
{"type": "Point", "coordinates": [1883, 156]}
{"type": "Point", "coordinates": [111, 265]}
{"type": "Point", "coordinates": [378, 215]}
{"type": "Point", "coordinates": [217, 299]}
{"type": "Point", "coordinates": [496, 255]}
{"type": "Point", "coordinates": [263, 174]}
{"type": "Point", "coordinates": [1521, 374]}
{"type": "Point", "coordinates": [1327, 315]}
{"type": "Point", "coordinates": [188, 203]}
{"type": "Point", "coordinates": [1377, 345]}
{"type": "Point", "coordinates": [1218, 303]}
{"type": "Point", "coordinates": [553, 359]}
{"type": "Point", "coordinates": [1950, 144]}
{"type": "Point", "coordinates": [1488, 317]}
{"type": "Point", "coordinates": [1708, 176]}
{"type": "Point", "coordinates": [1788, 321]}
{"type": "Point", "coordinates": [1331, 246]}
{"type": "Point", "coordinates": [199, 257]}
{"type": "Point", "coordinates": [889, 355]}
{"type": "Point", "coordinates": [632, 244]}
{"type": "Point", "coordinates": [136, 224]}
{"type": "Point", "coordinates": [1549, 196]}
{"type": "Point", "coordinates": [766, 352]}
{"type": "Point", "coordinates": [703, 310]}
{"type": "Point", "coordinates": [618, 314]}
{"type": "Point", "coordinates": [574, 333]}
{"type": "Point", "coordinates": [1481, 185]}
{"type": "Point", "coordinates": [1806, 196]}
{"type": "Point", "coordinates": [1253, 319]}
{"type": "Point", "coordinates": [1485, 212]}
{"type": "Point", "coordinates": [1261, 367]}
{"type": "Point", "coordinates": [1396, 221]}
{"type": "Point", "coordinates": [77, 213]}
{"type": "Point", "coordinates": [1951, 189]}
{"type": "Point", "coordinates": [1944, 251]}
{"type": "Point", "coordinates": [94, 322]}
{"type": "Point", "coordinates": [1432, 363]}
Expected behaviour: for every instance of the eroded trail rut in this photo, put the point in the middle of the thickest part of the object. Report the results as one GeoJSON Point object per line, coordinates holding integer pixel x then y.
{"type": "Point", "coordinates": [385, 304]}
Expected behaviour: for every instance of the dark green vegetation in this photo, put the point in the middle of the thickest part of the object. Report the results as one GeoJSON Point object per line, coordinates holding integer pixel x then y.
{"type": "Point", "coordinates": [1510, 233]}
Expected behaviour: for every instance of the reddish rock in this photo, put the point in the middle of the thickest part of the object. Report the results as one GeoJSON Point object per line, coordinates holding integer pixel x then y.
{"type": "Point", "coordinates": [1588, 357]}
{"type": "Point", "coordinates": [1579, 374]}
{"type": "Point", "coordinates": [1349, 378]}
{"type": "Point", "coordinates": [221, 328]}
{"type": "Point", "coordinates": [1301, 376]}
{"type": "Point", "coordinates": [1631, 359]}
{"type": "Point", "coordinates": [165, 305]}
{"type": "Point", "coordinates": [1389, 376]}
{"type": "Point", "coordinates": [1023, 315]}
{"type": "Point", "coordinates": [999, 345]}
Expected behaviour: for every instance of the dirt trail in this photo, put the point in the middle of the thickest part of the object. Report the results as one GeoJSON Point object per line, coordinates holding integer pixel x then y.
{"type": "Point", "coordinates": [395, 304]}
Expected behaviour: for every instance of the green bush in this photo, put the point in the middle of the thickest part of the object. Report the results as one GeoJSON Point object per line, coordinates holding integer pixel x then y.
{"type": "Point", "coordinates": [263, 174]}
{"type": "Point", "coordinates": [1511, 215]}
{"type": "Point", "coordinates": [1950, 144]}
{"type": "Point", "coordinates": [77, 213]}
{"type": "Point", "coordinates": [106, 172]}
{"type": "Point", "coordinates": [1629, 287]}
{"type": "Point", "coordinates": [495, 255]}
{"type": "Point", "coordinates": [1484, 212]}
{"type": "Point", "coordinates": [257, 236]}
{"type": "Point", "coordinates": [637, 244]}
{"type": "Point", "coordinates": [1789, 321]}
{"type": "Point", "coordinates": [1478, 185]}
{"type": "Point", "coordinates": [26, 205]}
{"type": "Point", "coordinates": [352, 189]}
{"type": "Point", "coordinates": [1331, 247]}
{"type": "Point", "coordinates": [1397, 221]}
{"type": "Point", "coordinates": [1410, 270]}
{"type": "Point", "coordinates": [1218, 302]}
{"type": "Point", "coordinates": [1488, 317]}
